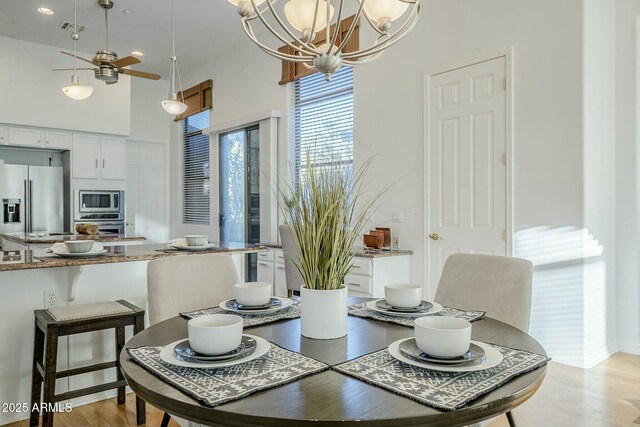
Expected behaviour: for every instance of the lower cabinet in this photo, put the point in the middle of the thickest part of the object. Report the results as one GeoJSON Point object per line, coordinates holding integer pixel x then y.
{"type": "Point", "coordinates": [367, 278]}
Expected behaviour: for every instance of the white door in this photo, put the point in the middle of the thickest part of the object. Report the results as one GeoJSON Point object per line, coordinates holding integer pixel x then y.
{"type": "Point", "coordinates": [466, 164]}
{"type": "Point", "coordinates": [145, 195]}
{"type": "Point", "coordinates": [114, 157]}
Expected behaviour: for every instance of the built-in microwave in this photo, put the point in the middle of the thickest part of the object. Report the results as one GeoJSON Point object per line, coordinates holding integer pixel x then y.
{"type": "Point", "coordinates": [99, 202]}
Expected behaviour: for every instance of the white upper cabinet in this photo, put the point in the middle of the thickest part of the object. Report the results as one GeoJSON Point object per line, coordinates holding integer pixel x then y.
{"type": "Point", "coordinates": [84, 154]}
{"type": "Point", "coordinates": [58, 139]}
{"type": "Point", "coordinates": [3, 135]}
{"type": "Point", "coordinates": [114, 158]}
{"type": "Point", "coordinates": [25, 137]}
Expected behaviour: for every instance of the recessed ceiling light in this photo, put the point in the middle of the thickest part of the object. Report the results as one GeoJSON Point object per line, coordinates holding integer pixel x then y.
{"type": "Point", "coordinates": [45, 11]}
{"type": "Point", "coordinates": [127, 11]}
{"type": "Point", "coordinates": [137, 53]}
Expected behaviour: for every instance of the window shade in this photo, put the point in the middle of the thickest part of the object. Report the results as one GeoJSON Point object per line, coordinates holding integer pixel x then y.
{"type": "Point", "coordinates": [323, 122]}
{"type": "Point", "coordinates": [196, 170]}
{"type": "Point", "coordinates": [198, 98]}
{"type": "Point", "coordinates": [292, 71]}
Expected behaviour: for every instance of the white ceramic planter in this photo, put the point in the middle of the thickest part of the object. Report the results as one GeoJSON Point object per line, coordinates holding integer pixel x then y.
{"type": "Point", "coordinates": [323, 314]}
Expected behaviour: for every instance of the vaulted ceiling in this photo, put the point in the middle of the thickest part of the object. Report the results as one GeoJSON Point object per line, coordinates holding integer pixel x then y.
{"type": "Point", "coordinates": [204, 28]}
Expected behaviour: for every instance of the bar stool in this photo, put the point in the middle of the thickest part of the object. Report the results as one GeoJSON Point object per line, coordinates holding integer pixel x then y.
{"type": "Point", "coordinates": [58, 322]}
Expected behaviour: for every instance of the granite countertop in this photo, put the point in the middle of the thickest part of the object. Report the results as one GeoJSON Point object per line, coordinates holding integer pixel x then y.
{"type": "Point", "coordinates": [42, 238]}
{"type": "Point", "coordinates": [359, 252]}
{"type": "Point", "coordinates": [39, 258]}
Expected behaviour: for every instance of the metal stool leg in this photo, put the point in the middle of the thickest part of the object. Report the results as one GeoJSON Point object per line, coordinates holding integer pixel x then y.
{"type": "Point", "coordinates": [119, 347]}
{"type": "Point", "coordinates": [141, 414]}
{"type": "Point", "coordinates": [165, 420]}
{"type": "Point", "coordinates": [511, 419]}
{"type": "Point", "coordinates": [51, 359]}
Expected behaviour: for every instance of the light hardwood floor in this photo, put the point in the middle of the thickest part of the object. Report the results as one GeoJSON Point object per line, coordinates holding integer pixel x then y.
{"type": "Point", "coordinates": [606, 395]}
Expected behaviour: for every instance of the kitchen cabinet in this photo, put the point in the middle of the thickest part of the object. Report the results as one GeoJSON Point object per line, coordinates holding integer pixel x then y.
{"type": "Point", "coordinates": [85, 153]}
{"type": "Point", "coordinates": [57, 139]}
{"type": "Point", "coordinates": [25, 137]}
{"type": "Point", "coordinates": [271, 270]}
{"type": "Point", "coordinates": [3, 135]}
{"type": "Point", "coordinates": [265, 271]}
{"type": "Point", "coordinates": [114, 158]}
{"type": "Point", "coordinates": [97, 157]}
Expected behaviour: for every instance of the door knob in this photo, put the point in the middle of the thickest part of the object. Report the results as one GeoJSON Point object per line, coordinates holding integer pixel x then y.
{"type": "Point", "coordinates": [435, 236]}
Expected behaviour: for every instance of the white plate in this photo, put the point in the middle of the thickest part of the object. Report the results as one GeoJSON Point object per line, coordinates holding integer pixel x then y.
{"type": "Point", "coordinates": [168, 355]}
{"type": "Point", "coordinates": [286, 302]}
{"type": "Point", "coordinates": [435, 309]}
{"type": "Point", "coordinates": [81, 255]}
{"type": "Point", "coordinates": [194, 248]}
{"type": "Point", "coordinates": [492, 358]}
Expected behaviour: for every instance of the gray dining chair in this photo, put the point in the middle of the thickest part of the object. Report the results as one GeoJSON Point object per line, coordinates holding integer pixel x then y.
{"type": "Point", "coordinates": [499, 285]}
{"type": "Point", "coordinates": [291, 252]}
{"type": "Point", "coordinates": [186, 283]}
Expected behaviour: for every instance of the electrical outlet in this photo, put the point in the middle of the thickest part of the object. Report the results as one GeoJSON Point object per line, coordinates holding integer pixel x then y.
{"type": "Point", "coordinates": [369, 215]}
{"type": "Point", "coordinates": [395, 243]}
{"type": "Point", "coordinates": [49, 298]}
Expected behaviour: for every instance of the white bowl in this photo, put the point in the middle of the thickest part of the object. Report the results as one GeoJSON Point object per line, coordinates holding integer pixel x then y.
{"type": "Point", "coordinates": [253, 293]}
{"type": "Point", "coordinates": [196, 239]}
{"type": "Point", "coordinates": [79, 246]}
{"type": "Point", "coordinates": [442, 336]}
{"type": "Point", "coordinates": [403, 295]}
{"type": "Point", "coordinates": [215, 333]}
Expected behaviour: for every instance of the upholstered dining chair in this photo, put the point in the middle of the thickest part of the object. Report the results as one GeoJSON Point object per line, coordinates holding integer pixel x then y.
{"type": "Point", "coordinates": [291, 252]}
{"type": "Point", "coordinates": [187, 283]}
{"type": "Point", "coordinates": [499, 285]}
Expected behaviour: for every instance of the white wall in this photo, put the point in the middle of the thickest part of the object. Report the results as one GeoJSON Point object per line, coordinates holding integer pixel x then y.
{"type": "Point", "coordinates": [149, 121]}
{"type": "Point", "coordinates": [35, 93]}
{"type": "Point", "coordinates": [627, 216]}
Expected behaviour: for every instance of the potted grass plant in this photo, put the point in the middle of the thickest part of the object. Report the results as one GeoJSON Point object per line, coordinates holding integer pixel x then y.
{"type": "Point", "coordinates": [327, 213]}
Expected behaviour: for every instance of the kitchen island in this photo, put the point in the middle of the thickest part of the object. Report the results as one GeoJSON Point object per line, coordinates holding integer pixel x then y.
{"type": "Point", "coordinates": [26, 241]}
{"type": "Point", "coordinates": [29, 277]}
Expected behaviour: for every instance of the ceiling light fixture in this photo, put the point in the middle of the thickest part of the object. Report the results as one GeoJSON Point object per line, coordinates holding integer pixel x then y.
{"type": "Point", "coordinates": [75, 90]}
{"type": "Point", "coordinates": [306, 18]}
{"type": "Point", "coordinates": [137, 53]}
{"type": "Point", "coordinates": [171, 105]}
{"type": "Point", "coordinates": [45, 11]}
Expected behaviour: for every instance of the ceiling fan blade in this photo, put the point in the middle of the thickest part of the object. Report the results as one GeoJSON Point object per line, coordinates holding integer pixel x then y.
{"type": "Point", "coordinates": [111, 82]}
{"type": "Point", "coordinates": [123, 62]}
{"type": "Point", "coordinates": [71, 69]}
{"type": "Point", "coordinates": [78, 57]}
{"type": "Point", "coordinates": [135, 73]}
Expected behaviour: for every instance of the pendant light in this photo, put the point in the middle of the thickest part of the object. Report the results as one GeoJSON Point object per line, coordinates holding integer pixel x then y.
{"type": "Point", "coordinates": [171, 105]}
{"type": "Point", "coordinates": [75, 90]}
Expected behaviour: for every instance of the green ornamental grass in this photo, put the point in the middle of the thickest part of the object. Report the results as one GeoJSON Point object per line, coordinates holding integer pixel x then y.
{"type": "Point", "coordinates": [327, 213]}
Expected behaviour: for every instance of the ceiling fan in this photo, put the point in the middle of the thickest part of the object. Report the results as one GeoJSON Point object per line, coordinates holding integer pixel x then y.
{"type": "Point", "coordinates": [108, 66]}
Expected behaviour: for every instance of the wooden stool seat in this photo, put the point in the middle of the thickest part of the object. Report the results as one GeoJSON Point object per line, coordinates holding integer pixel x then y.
{"type": "Point", "coordinates": [57, 322]}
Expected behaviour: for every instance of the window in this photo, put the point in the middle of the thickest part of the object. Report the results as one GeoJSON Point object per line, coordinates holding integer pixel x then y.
{"type": "Point", "coordinates": [196, 170]}
{"type": "Point", "coordinates": [323, 123]}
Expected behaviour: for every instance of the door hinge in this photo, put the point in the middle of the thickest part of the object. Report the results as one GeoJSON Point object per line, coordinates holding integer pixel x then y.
{"type": "Point", "coordinates": [504, 235]}
{"type": "Point", "coordinates": [504, 158]}
{"type": "Point", "coordinates": [504, 83]}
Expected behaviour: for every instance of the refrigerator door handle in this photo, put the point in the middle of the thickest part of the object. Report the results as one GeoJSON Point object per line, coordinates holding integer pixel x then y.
{"type": "Point", "coordinates": [30, 205]}
{"type": "Point", "coordinates": [27, 207]}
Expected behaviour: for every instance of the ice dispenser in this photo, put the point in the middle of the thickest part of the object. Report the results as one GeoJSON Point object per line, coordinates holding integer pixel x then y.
{"type": "Point", "coordinates": [11, 211]}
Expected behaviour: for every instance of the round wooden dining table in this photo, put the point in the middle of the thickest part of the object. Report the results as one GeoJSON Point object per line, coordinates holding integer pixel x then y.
{"type": "Point", "coordinates": [329, 397]}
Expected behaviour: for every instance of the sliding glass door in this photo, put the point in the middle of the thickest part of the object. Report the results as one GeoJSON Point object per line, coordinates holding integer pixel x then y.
{"type": "Point", "coordinates": [240, 190]}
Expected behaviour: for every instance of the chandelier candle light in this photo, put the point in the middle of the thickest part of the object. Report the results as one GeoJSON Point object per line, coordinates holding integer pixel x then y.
{"type": "Point", "coordinates": [171, 105]}
{"type": "Point", "coordinates": [75, 90]}
{"type": "Point", "coordinates": [306, 18]}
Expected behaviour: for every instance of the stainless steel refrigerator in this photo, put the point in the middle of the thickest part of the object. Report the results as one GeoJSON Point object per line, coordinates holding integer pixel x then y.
{"type": "Point", "coordinates": [32, 199]}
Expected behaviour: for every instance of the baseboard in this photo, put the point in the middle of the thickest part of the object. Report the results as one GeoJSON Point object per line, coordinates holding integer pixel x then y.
{"type": "Point", "coordinates": [629, 347]}
{"type": "Point", "coordinates": [598, 356]}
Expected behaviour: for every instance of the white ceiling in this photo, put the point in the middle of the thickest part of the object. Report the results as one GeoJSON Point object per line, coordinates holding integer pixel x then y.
{"type": "Point", "coordinates": [204, 29]}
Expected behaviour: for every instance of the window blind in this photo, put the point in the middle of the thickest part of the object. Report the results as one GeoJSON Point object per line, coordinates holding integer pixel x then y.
{"type": "Point", "coordinates": [323, 122]}
{"type": "Point", "coordinates": [196, 170]}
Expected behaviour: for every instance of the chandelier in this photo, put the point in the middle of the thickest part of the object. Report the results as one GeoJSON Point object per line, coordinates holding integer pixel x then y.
{"type": "Point", "coordinates": [306, 18]}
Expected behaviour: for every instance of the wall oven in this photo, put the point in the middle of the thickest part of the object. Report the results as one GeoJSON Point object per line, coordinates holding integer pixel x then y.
{"type": "Point", "coordinates": [105, 208]}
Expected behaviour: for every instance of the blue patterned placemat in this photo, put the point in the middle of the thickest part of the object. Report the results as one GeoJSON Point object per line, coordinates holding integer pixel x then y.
{"type": "Point", "coordinates": [214, 386]}
{"type": "Point", "coordinates": [442, 390]}
{"type": "Point", "coordinates": [251, 319]}
{"type": "Point", "coordinates": [361, 310]}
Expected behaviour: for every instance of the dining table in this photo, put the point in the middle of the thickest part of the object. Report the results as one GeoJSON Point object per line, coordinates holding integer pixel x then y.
{"type": "Point", "coordinates": [331, 397]}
